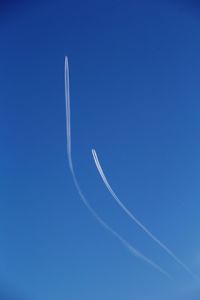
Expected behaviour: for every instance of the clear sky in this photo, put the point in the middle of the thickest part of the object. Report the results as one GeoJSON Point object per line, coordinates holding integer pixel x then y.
{"type": "Point", "coordinates": [135, 98]}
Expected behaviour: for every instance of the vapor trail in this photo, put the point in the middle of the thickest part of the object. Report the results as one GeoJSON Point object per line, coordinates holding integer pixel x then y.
{"type": "Point", "coordinates": [132, 250]}
{"type": "Point", "coordinates": [133, 218]}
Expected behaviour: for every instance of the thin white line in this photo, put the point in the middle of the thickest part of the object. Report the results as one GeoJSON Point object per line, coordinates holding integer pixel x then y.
{"type": "Point", "coordinates": [133, 251]}
{"type": "Point", "coordinates": [133, 218]}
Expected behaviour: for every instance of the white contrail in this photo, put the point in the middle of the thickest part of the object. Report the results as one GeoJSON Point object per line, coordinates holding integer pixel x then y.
{"type": "Point", "coordinates": [85, 202]}
{"type": "Point", "coordinates": [133, 218]}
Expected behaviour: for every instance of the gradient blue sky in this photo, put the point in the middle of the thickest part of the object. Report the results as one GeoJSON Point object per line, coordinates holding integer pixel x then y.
{"type": "Point", "coordinates": [135, 70]}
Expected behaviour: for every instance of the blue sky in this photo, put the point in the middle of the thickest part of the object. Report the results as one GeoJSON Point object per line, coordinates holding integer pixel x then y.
{"type": "Point", "coordinates": [134, 73]}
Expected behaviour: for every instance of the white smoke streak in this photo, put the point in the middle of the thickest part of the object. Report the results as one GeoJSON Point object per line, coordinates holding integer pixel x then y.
{"type": "Point", "coordinates": [132, 250]}
{"type": "Point", "coordinates": [133, 218]}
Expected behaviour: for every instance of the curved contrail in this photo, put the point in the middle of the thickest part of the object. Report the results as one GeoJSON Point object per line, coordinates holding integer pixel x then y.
{"type": "Point", "coordinates": [133, 218]}
{"type": "Point", "coordinates": [132, 250]}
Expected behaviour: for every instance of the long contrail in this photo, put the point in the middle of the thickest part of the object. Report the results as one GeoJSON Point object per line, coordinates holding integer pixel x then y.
{"type": "Point", "coordinates": [139, 223]}
{"type": "Point", "coordinates": [132, 250]}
